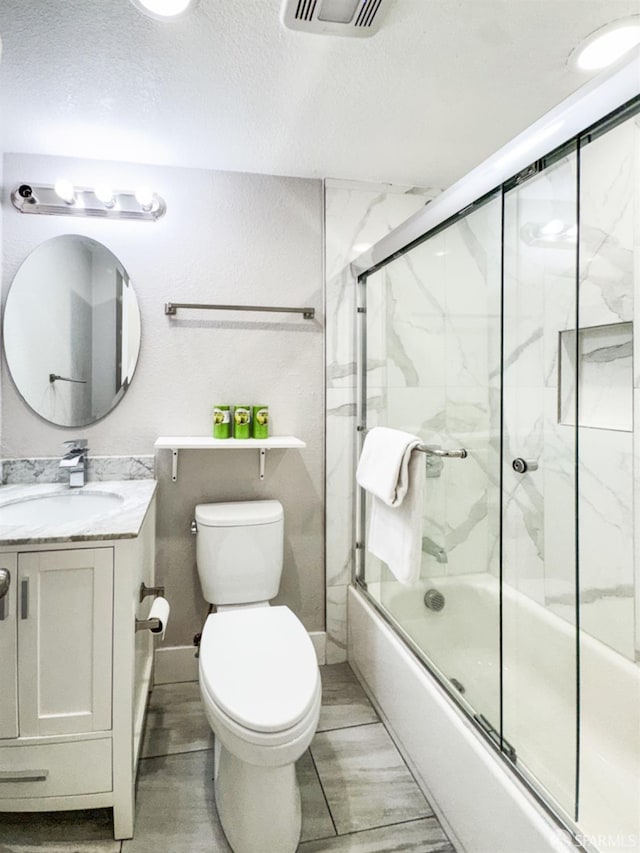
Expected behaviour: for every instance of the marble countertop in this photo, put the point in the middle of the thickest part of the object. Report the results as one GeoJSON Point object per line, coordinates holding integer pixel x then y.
{"type": "Point", "coordinates": [124, 522]}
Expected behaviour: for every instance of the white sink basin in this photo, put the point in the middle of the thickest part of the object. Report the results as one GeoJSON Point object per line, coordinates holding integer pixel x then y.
{"type": "Point", "coordinates": [59, 508]}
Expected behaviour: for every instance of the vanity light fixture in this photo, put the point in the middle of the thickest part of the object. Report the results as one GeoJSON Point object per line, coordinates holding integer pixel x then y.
{"type": "Point", "coordinates": [66, 200]}
{"type": "Point", "coordinates": [606, 45]}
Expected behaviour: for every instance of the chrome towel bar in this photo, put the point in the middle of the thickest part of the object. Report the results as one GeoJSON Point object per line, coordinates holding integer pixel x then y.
{"type": "Point", "coordinates": [430, 450]}
{"type": "Point", "coordinates": [171, 308]}
{"type": "Point", "coordinates": [442, 454]}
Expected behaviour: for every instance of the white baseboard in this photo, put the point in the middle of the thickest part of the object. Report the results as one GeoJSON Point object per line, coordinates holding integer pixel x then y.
{"type": "Point", "coordinates": [175, 663]}
{"type": "Point", "coordinates": [179, 663]}
{"type": "Point", "coordinates": [319, 640]}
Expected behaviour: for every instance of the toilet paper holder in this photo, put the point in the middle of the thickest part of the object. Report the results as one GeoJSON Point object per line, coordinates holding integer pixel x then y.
{"type": "Point", "coordinates": [145, 590]}
{"type": "Point", "coordinates": [154, 625]}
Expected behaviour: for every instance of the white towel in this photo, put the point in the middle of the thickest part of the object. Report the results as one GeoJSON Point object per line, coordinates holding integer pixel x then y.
{"type": "Point", "coordinates": [394, 475]}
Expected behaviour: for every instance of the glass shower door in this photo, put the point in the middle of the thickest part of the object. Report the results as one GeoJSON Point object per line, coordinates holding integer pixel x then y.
{"type": "Point", "coordinates": [539, 674]}
{"type": "Point", "coordinates": [433, 369]}
{"type": "Point", "coordinates": [609, 505]}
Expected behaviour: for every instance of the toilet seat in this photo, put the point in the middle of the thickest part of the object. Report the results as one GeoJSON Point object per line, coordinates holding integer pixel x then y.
{"type": "Point", "coordinates": [259, 670]}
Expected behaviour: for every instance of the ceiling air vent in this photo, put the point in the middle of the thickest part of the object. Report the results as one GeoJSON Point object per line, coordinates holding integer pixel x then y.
{"type": "Point", "coordinates": [356, 18]}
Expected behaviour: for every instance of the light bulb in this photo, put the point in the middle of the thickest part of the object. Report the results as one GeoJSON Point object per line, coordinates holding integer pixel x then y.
{"type": "Point", "coordinates": [608, 44]}
{"type": "Point", "coordinates": [145, 197]}
{"type": "Point", "coordinates": [104, 193]}
{"type": "Point", "coordinates": [65, 190]}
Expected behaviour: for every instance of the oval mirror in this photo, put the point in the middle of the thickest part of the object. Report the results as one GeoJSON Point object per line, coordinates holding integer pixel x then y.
{"type": "Point", "coordinates": [72, 330]}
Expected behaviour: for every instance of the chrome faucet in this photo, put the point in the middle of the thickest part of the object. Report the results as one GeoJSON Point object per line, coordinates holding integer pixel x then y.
{"type": "Point", "coordinates": [435, 550]}
{"type": "Point", "coordinates": [75, 461]}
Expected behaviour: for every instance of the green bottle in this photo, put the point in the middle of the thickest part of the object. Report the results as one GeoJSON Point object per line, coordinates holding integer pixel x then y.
{"type": "Point", "coordinates": [221, 421]}
{"type": "Point", "coordinates": [260, 422]}
{"type": "Point", "coordinates": [242, 421]}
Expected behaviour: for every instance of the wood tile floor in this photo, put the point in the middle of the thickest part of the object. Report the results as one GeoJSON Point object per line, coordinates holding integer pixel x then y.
{"type": "Point", "coordinates": [357, 794]}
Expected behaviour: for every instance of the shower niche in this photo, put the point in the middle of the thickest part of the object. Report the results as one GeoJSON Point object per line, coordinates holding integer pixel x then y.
{"type": "Point", "coordinates": [602, 358]}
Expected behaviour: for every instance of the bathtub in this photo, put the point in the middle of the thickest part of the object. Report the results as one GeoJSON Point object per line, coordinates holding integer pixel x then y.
{"type": "Point", "coordinates": [484, 806]}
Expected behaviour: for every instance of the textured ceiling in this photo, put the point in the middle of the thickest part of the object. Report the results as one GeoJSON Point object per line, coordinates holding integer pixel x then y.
{"type": "Point", "coordinates": [441, 86]}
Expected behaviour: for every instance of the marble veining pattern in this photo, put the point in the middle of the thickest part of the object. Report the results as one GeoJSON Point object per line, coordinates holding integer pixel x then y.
{"type": "Point", "coordinates": [48, 470]}
{"type": "Point", "coordinates": [123, 523]}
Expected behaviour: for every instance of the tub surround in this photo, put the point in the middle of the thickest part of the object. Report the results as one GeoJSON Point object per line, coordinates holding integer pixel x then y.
{"type": "Point", "coordinates": [47, 469]}
{"type": "Point", "coordinates": [406, 695]}
{"type": "Point", "coordinates": [123, 523]}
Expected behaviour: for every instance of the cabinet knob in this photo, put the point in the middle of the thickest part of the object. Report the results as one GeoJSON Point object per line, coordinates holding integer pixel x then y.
{"type": "Point", "coordinates": [5, 582]}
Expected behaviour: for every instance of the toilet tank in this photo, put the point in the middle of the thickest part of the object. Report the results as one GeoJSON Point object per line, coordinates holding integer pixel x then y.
{"type": "Point", "coordinates": [239, 549]}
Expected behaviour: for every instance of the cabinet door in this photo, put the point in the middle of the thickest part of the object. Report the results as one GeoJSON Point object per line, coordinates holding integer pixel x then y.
{"type": "Point", "coordinates": [64, 641]}
{"type": "Point", "coordinates": [9, 651]}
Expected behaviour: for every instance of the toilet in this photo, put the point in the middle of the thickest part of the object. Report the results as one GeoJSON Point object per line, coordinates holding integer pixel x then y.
{"type": "Point", "coordinates": [258, 673]}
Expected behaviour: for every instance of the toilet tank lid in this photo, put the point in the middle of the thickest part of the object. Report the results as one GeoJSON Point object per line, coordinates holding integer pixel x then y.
{"type": "Point", "coordinates": [239, 513]}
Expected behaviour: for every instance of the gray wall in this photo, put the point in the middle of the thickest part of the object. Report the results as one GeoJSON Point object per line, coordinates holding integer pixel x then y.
{"type": "Point", "coordinates": [226, 237]}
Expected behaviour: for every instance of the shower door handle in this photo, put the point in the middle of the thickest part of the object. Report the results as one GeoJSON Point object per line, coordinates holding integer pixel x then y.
{"type": "Point", "coordinates": [521, 466]}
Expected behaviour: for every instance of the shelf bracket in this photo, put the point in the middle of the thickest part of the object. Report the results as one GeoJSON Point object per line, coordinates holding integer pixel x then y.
{"type": "Point", "coordinates": [262, 453]}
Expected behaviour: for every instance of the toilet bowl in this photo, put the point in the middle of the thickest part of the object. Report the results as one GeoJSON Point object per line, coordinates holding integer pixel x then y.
{"type": "Point", "coordinates": [258, 673]}
{"type": "Point", "coordinates": [260, 688]}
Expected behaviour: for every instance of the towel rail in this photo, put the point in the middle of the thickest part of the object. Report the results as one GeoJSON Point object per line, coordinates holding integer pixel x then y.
{"type": "Point", "coordinates": [430, 450]}
{"type": "Point", "coordinates": [442, 454]}
{"type": "Point", "coordinates": [171, 308]}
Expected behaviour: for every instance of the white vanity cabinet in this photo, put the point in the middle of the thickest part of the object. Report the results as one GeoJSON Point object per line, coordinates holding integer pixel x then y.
{"type": "Point", "coordinates": [65, 633]}
{"type": "Point", "coordinates": [74, 674]}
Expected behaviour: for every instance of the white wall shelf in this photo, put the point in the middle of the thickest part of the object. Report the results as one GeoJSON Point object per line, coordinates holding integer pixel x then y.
{"type": "Point", "coordinates": [175, 443]}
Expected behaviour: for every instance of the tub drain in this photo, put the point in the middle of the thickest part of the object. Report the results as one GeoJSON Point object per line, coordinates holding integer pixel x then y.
{"type": "Point", "coordinates": [434, 600]}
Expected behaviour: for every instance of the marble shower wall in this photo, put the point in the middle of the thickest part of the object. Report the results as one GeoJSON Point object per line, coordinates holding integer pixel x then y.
{"type": "Point", "coordinates": [609, 506]}
{"type": "Point", "coordinates": [433, 329]}
{"type": "Point", "coordinates": [356, 216]}
{"type": "Point", "coordinates": [433, 347]}
{"type": "Point", "coordinates": [540, 380]}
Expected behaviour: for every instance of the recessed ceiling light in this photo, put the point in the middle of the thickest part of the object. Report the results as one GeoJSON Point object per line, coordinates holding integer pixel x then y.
{"type": "Point", "coordinates": [606, 45]}
{"type": "Point", "coordinates": [555, 226]}
{"type": "Point", "coordinates": [163, 9]}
